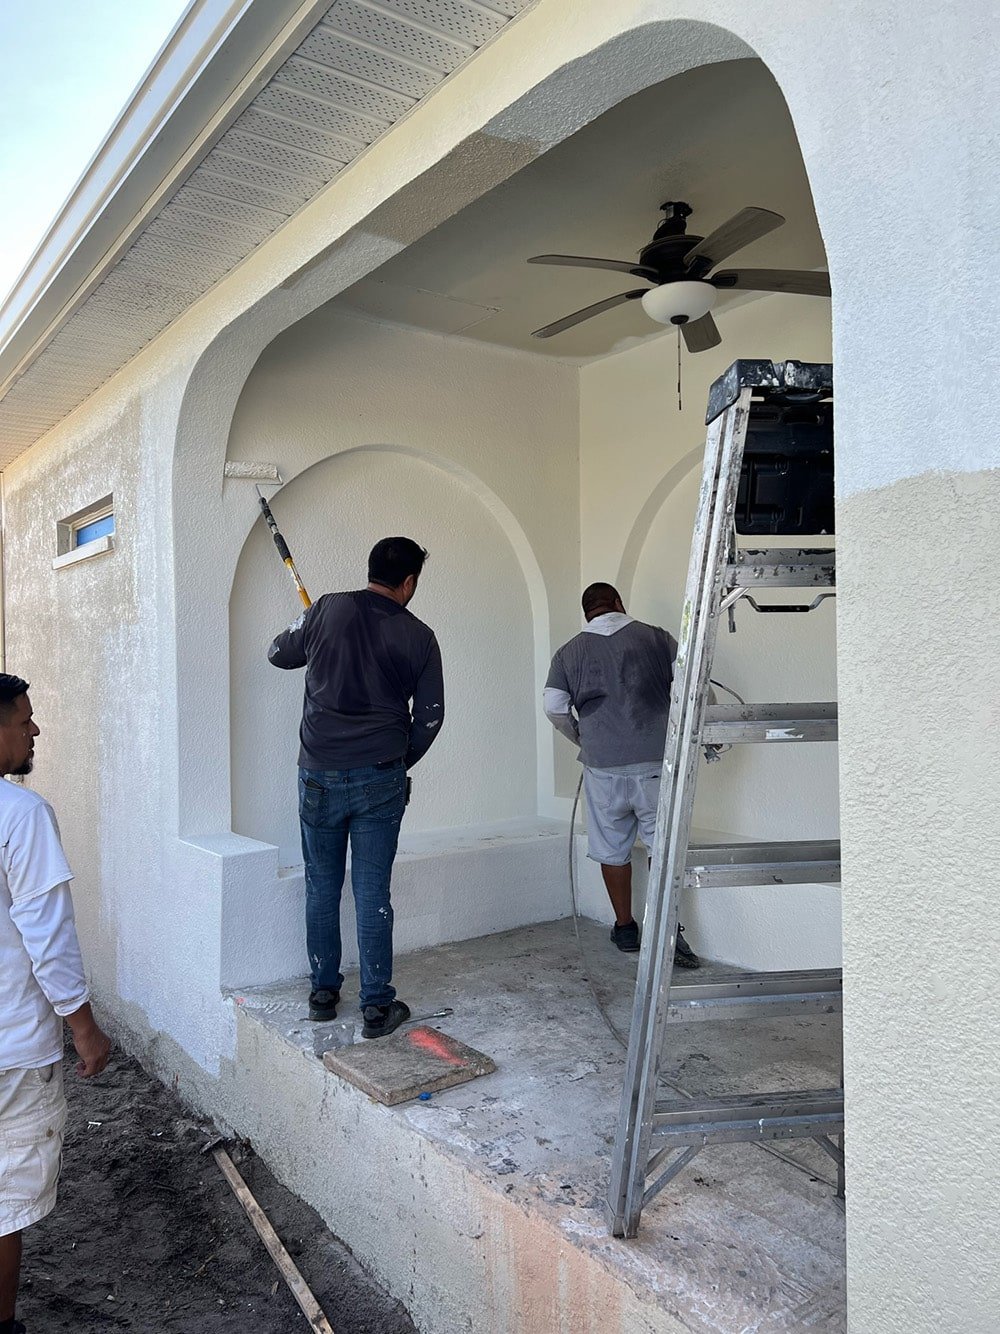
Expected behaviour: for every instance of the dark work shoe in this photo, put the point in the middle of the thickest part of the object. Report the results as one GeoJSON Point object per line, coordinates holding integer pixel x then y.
{"type": "Point", "coordinates": [323, 1005]}
{"type": "Point", "coordinates": [383, 1019]}
{"type": "Point", "coordinates": [684, 955]}
{"type": "Point", "coordinates": [626, 937]}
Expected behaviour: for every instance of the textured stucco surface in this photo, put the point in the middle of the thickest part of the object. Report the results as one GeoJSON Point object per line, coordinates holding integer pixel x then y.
{"type": "Point", "coordinates": [921, 916]}
{"type": "Point", "coordinates": [897, 121]}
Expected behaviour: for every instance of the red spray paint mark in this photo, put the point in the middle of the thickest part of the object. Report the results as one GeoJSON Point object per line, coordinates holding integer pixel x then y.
{"type": "Point", "coordinates": [435, 1044]}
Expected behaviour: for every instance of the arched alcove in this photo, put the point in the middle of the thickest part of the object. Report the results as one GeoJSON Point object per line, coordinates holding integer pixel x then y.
{"type": "Point", "coordinates": [473, 594]}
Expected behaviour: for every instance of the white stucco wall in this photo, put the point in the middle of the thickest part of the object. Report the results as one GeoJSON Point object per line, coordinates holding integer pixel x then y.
{"type": "Point", "coordinates": [386, 430]}
{"type": "Point", "coordinates": [897, 118]}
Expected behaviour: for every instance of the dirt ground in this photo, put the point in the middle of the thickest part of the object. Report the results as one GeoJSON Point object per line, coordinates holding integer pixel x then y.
{"type": "Point", "coordinates": [147, 1235]}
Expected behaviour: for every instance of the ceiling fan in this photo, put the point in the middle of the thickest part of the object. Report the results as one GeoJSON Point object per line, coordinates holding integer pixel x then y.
{"type": "Point", "coordinates": [680, 268]}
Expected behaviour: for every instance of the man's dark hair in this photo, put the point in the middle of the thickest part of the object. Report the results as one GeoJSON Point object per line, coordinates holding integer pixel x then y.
{"type": "Point", "coordinates": [599, 597]}
{"type": "Point", "coordinates": [11, 689]}
{"type": "Point", "coordinates": [393, 559]}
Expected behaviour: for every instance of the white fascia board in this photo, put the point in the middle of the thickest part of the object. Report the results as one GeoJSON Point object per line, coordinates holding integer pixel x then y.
{"type": "Point", "coordinates": [218, 57]}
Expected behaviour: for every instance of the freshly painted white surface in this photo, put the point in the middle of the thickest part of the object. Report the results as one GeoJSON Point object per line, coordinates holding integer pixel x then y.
{"type": "Point", "coordinates": [447, 885]}
{"type": "Point", "coordinates": [382, 430]}
{"type": "Point", "coordinates": [902, 160]}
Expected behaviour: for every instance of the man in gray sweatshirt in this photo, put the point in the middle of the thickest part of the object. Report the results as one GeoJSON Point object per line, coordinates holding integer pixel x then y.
{"type": "Point", "coordinates": [608, 691]}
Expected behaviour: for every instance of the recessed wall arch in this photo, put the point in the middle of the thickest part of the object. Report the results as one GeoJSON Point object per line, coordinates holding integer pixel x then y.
{"type": "Point", "coordinates": [494, 653]}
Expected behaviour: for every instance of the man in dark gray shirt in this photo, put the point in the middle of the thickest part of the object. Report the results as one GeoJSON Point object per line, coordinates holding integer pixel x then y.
{"type": "Point", "coordinates": [366, 658]}
{"type": "Point", "coordinates": [608, 691]}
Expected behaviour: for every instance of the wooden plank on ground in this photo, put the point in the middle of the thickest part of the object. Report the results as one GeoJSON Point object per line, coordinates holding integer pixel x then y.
{"type": "Point", "coordinates": [297, 1285]}
{"type": "Point", "coordinates": [407, 1063]}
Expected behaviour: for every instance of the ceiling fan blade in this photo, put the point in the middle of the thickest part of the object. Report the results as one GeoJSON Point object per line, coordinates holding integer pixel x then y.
{"type": "Point", "coordinates": [586, 262]}
{"type": "Point", "coordinates": [802, 283]}
{"type": "Point", "coordinates": [750, 224]}
{"type": "Point", "coordinates": [588, 312]}
{"type": "Point", "coordinates": [701, 334]}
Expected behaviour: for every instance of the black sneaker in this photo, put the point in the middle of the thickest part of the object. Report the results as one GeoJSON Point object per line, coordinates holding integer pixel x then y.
{"type": "Point", "coordinates": [323, 1005]}
{"type": "Point", "coordinates": [626, 937]}
{"type": "Point", "coordinates": [383, 1019]}
{"type": "Point", "coordinates": [684, 955]}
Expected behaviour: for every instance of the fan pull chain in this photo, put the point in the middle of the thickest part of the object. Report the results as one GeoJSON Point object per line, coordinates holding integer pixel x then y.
{"type": "Point", "coordinates": [679, 403]}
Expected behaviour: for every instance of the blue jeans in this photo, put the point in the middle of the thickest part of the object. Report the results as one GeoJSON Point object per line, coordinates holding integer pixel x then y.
{"type": "Point", "coordinates": [366, 807]}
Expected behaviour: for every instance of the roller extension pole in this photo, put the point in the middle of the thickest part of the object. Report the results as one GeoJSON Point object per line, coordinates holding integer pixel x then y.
{"type": "Point", "coordinates": [283, 551]}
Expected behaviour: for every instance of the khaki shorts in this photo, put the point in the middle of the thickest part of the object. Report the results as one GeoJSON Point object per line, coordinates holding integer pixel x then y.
{"type": "Point", "coordinates": [32, 1121]}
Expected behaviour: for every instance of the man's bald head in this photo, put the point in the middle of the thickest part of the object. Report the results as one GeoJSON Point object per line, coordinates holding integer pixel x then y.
{"type": "Point", "coordinates": [599, 599]}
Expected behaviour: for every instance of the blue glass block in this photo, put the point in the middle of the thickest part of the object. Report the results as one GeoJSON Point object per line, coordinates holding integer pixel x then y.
{"type": "Point", "coordinates": [88, 532]}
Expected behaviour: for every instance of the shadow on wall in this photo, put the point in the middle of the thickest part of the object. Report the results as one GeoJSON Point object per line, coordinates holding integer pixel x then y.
{"type": "Point", "coordinates": [472, 594]}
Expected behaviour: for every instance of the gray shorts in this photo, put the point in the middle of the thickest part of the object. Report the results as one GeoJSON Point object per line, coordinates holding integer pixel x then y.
{"type": "Point", "coordinates": [619, 807]}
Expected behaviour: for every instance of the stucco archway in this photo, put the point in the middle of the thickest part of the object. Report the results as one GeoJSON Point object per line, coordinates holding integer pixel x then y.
{"type": "Point", "coordinates": [204, 533]}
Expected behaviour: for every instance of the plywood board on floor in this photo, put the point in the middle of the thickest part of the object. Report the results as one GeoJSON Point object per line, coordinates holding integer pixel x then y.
{"type": "Point", "coordinates": [407, 1063]}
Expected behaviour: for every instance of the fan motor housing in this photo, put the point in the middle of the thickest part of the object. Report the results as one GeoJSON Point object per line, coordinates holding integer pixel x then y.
{"type": "Point", "coordinates": [667, 256]}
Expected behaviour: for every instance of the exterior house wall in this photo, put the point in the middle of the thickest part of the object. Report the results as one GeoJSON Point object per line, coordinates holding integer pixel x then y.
{"type": "Point", "coordinates": [888, 132]}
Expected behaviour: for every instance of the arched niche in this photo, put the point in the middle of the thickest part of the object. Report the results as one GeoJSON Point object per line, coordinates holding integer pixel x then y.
{"type": "Point", "coordinates": [473, 594]}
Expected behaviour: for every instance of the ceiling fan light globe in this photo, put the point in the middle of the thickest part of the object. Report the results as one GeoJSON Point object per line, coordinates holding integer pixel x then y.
{"type": "Point", "coordinates": [680, 302]}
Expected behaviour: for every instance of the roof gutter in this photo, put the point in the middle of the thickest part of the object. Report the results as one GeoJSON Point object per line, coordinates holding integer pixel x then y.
{"type": "Point", "coordinates": [218, 57]}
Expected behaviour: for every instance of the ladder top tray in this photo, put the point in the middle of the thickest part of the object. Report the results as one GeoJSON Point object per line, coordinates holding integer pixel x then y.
{"type": "Point", "coordinates": [774, 376]}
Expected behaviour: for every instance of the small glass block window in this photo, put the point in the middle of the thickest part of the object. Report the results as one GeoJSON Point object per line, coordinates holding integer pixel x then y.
{"type": "Point", "coordinates": [92, 529]}
{"type": "Point", "coordinates": [89, 532]}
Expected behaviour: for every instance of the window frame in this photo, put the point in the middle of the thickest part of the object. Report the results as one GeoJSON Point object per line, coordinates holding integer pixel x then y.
{"type": "Point", "coordinates": [69, 550]}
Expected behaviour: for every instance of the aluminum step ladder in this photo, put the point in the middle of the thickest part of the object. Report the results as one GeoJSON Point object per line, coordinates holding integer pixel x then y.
{"type": "Point", "coordinates": [658, 1136]}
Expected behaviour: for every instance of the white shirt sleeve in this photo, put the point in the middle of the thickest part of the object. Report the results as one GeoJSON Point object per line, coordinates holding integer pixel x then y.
{"type": "Point", "coordinates": [42, 908]}
{"type": "Point", "coordinates": [557, 705]}
{"type": "Point", "coordinates": [48, 931]}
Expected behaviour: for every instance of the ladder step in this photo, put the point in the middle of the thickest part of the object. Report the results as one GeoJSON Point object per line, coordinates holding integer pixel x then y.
{"type": "Point", "coordinates": [734, 723]}
{"type": "Point", "coordinates": [755, 995]}
{"type": "Point", "coordinates": [783, 567]}
{"type": "Point", "coordinates": [747, 1117]}
{"type": "Point", "coordinates": [795, 863]}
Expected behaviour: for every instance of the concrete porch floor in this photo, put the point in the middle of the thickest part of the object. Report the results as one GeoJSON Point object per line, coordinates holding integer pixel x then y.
{"type": "Point", "coordinates": [741, 1242]}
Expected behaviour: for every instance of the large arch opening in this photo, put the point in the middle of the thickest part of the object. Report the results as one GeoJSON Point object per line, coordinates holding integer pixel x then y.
{"type": "Point", "coordinates": [588, 430]}
{"type": "Point", "coordinates": [720, 137]}
{"type": "Point", "coordinates": [586, 439]}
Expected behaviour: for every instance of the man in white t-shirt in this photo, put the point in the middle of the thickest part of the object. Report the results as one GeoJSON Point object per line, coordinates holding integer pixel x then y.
{"type": "Point", "coordinates": [41, 984]}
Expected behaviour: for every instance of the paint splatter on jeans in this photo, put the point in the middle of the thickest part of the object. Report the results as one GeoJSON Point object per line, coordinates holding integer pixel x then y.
{"type": "Point", "coordinates": [365, 808]}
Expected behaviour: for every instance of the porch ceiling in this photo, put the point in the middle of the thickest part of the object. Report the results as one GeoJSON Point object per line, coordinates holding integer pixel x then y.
{"type": "Point", "coordinates": [364, 65]}
{"type": "Point", "coordinates": [719, 137]}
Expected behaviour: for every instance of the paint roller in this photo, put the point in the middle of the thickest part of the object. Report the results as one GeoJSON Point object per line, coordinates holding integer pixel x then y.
{"type": "Point", "coordinates": [268, 472]}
